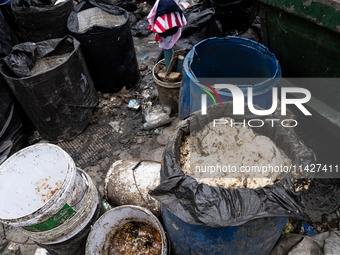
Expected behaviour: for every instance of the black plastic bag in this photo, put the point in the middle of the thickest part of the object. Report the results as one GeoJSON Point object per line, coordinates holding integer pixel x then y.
{"type": "Point", "coordinates": [108, 50]}
{"type": "Point", "coordinates": [11, 131]}
{"type": "Point", "coordinates": [201, 24]}
{"type": "Point", "coordinates": [209, 206]}
{"type": "Point", "coordinates": [38, 21]}
{"type": "Point", "coordinates": [140, 28]}
{"type": "Point", "coordinates": [7, 38]}
{"type": "Point", "coordinates": [59, 101]}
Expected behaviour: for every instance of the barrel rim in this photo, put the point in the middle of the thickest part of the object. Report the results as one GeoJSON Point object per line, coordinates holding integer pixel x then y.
{"type": "Point", "coordinates": [260, 88]}
{"type": "Point", "coordinates": [133, 207]}
{"type": "Point", "coordinates": [77, 223]}
{"type": "Point", "coordinates": [76, 48]}
{"type": "Point", "coordinates": [106, 28]}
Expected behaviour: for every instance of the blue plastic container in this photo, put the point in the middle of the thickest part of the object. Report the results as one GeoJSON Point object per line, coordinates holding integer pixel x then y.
{"type": "Point", "coordinates": [257, 237]}
{"type": "Point", "coordinates": [232, 58]}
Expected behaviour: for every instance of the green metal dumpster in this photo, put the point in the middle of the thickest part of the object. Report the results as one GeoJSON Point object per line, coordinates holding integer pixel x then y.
{"type": "Point", "coordinates": [304, 35]}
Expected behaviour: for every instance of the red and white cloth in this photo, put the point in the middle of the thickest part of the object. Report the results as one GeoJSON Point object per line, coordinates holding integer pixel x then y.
{"type": "Point", "coordinates": [163, 23]}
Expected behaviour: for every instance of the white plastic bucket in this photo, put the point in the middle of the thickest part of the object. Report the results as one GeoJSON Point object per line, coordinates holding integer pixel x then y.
{"type": "Point", "coordinates": [35, 184]}
{"type": "Point", "coordinates": [115, 219]}
{"type": "Point", "coordinates": [89, 201]}
{"type": "Point", "coordinates": [128, 182]}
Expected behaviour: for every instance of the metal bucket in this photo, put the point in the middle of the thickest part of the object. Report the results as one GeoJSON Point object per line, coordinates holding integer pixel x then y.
{"type": "Point", "coordinates": [116, 218]}
{"type": "Point", "coordinates": [168, 92]}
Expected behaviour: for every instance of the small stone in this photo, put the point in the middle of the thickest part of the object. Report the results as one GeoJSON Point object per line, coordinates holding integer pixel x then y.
{"type": "Point", "coordinates": [106, 95]}
{"type": "Point", "coordinates": [140, 140]}
{"type": "Point", "coordinates": [13, 247]}
{"type": "Point", "coordinates": [143, 67]}
{"type": "Point", "coordinates": [124, 140]}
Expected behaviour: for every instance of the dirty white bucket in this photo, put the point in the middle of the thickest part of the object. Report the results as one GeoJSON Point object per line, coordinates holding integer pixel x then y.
{"type": "Point", "coordinates": [128, 182]}
{"type": "Point", "coordinates": [115, 219]}
{"type": "Point", "coordinates": [36, 184]}
{"type": "Point", "coordinates": [89, 202]}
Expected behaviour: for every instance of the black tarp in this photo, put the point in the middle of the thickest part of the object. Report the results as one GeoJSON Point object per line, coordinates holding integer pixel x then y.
{"type": "Point", "coordinates": [201, 24]}
{"type": "Point", "coordinates": [205, 205]}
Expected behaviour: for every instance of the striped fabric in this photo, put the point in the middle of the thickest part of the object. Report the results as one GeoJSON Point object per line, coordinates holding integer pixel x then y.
{"type": "Point", "coordinates": [167, 21]}
{"type": "Point", "coordinates": [163, 23]}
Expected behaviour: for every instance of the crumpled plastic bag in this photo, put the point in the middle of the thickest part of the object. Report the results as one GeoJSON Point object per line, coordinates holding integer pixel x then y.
{"type": "Point", "coordinates": [156, 116]}
{"type": "Point", "coordinates": [327, 243]}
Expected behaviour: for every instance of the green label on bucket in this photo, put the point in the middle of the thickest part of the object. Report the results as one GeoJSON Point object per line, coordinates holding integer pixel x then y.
{"type": "Point", "coordinates": [56, 220]}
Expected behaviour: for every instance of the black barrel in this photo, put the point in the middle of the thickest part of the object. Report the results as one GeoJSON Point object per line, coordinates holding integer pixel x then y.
{"type": "Point", "coordinates": [107, 45]}
{"type": "Point", "coordinates": [59, 96]}
{"type": "Point", "coordinates": [39, 21]}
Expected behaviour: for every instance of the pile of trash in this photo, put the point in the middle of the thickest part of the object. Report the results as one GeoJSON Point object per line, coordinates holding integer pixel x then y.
{"type": "Point", "coordinates": [107, 161]}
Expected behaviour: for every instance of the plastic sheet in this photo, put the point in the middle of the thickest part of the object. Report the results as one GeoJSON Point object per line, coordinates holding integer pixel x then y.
{"type": "Point", "coordinates": [201, 24]}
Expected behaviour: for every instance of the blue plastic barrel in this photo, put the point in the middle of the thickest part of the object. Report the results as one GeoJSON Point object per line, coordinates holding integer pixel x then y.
{"type": "Point", "coordinates": [230, 58]}
{"type": "Point", "coordinates": [256, 237]}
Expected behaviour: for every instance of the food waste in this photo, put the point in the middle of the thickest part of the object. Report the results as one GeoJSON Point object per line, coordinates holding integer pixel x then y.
{"type": "Point", "coordinates": [247, 157]}
{"type": "Point", "coordinates": [135, 238]}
